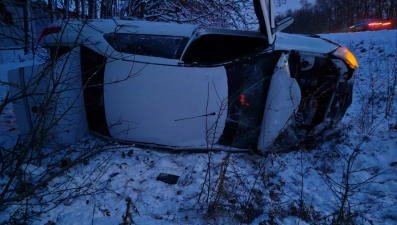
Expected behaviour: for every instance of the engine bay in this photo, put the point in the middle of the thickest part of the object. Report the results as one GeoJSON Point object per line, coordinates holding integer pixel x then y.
{"type": "Point", "coordinates": [324, 88]}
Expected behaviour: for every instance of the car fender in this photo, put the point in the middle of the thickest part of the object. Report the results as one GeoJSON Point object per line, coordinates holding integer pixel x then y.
{"type": "Point", "coordinates": [282, 102]}
{"type": "Point", "coordinates": [303, 43]}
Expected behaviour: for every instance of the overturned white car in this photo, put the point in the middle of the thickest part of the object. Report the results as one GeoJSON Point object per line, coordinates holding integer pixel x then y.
{"type": "Point", "coordinates": [186, 87]}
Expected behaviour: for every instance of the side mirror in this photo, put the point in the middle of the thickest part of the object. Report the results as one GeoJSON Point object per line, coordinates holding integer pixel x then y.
{"type": "Point", "coordinates": [282, 24]}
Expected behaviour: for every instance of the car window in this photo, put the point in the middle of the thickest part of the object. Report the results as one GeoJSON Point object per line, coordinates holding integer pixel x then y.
{"type": "Point", "coordinates": [218, 48]}
{"type": "Point", "coordinates": [169, 47]}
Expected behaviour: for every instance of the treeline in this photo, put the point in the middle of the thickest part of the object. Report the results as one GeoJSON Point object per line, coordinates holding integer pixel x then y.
{"type": "Point", "coordinates": [324, 16]}
{"type": "Point", "coordinates": [235, 14]}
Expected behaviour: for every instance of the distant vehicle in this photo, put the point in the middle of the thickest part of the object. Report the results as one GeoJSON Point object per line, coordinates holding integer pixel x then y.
{"type": "Point", "coordinates": [371, 24]}
{"type": "Point", "coordinates": [181, 86]}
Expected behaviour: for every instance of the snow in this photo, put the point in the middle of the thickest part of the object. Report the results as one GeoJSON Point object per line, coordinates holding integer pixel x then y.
{"type": "Point", "coordinates": [95, 192]}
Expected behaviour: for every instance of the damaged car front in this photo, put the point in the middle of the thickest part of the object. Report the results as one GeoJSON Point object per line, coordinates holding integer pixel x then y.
{"type": "Point", "coordinates": [325, 72]}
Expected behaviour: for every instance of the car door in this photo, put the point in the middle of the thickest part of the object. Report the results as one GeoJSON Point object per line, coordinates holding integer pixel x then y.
{"type": "Point", "coordinates": [265, 15]}
{"type": "Point", "coordinates": [282, 101]}
{"type": "Point", "coordinates": [264, 10]}
{"type": "Point", "coordinates": [284, 94]}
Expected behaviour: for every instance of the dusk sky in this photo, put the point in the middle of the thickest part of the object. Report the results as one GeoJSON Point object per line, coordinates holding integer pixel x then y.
{"type": "Point", "coordinates": [290, 4]}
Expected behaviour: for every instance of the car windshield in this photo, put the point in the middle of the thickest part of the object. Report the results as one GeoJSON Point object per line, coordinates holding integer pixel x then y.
{"type": "Point", "coordinates": [248, 85]}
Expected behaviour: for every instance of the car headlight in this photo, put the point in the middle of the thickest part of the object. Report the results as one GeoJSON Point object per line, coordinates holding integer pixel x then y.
{"type": "Point", "coordinates": [345, 54]}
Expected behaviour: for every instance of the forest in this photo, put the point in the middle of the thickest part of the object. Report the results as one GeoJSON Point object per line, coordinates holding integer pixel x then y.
{"type": "Point", "coordinates": [320, 16]}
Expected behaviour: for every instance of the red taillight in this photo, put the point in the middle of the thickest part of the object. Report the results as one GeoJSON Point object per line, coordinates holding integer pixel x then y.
{"type": "Point", "coordinates": [243, 102]}
{"type": "Point", "coordinates": [386, 23]}
{"type": "Point", "coordinates": [374, 24]}
{"type": "Point", "coordinates": [49, 30]}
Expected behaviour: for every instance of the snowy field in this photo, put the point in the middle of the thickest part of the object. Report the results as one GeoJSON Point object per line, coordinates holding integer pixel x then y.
{"type": "Point", "coordinates": [119, 186]}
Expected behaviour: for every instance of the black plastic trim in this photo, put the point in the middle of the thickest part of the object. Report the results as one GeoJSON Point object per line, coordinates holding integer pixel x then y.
{"type": "Point", "coordinates": [93, 72]}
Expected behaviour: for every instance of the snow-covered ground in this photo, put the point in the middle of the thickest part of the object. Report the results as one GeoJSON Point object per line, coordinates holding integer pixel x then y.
{"type": "Point", "coordinates": [243, 188]}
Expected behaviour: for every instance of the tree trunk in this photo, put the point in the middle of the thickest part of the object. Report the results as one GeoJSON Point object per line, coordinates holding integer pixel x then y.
{"type": "Point", "coordinates": [83, 9]}
{"type": "Point", "coordinates": [90, 9]}
{"type": "Point", "coordinates": [25, 25]}
{"type": "Point", "coordinates": [103, 10]}
{"type": "Point", "coordinates": [115, 8]}
{"type": "Point", "coordinates": [50, 10]}
{"type": "Point", "coordinates": [77, 10]}
{"type": "Point", "coordinates": [65, 8]}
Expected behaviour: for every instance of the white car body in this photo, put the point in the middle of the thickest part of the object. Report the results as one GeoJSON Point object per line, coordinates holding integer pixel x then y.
{"type": "Point", "coordinates": [237, 95]}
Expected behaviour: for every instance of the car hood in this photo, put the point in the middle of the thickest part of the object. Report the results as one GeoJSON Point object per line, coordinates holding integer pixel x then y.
{"type": "Point", "coordinates": [305, 43]}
